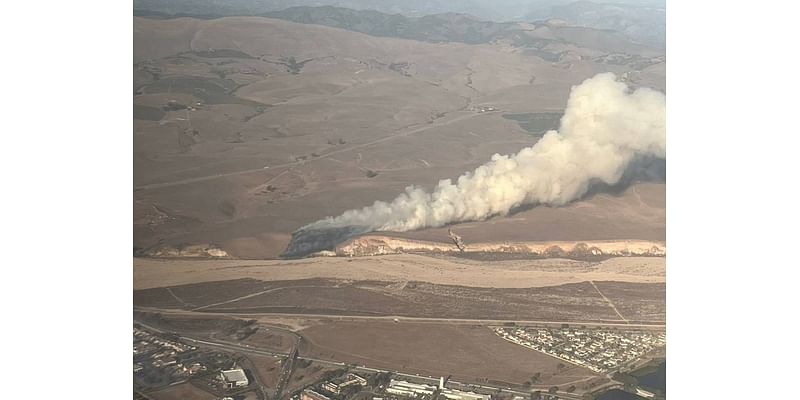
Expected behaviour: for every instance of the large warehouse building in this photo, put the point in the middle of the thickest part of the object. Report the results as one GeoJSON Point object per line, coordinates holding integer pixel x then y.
{"type": "Point", "coordinates": [234, 378]}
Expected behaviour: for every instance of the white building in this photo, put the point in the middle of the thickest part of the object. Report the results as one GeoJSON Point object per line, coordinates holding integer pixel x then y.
{"type": "Point", "coordinates": [408, 389]}
{"type": "Point", "coordinates": [403, 388]}
{"type": "Point", "coordinates": [336, 386]}
{"type": "Point", "coordinates": [234, 378]}
{"type": "Point", "coordinates": [309, 394]}
{"type": "Point", "coordinates": [461, 395]}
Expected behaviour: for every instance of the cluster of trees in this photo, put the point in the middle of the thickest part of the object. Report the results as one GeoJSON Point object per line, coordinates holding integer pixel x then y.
{"type": "Point", "coordinates": [535, 378]}
{"type": "Point", "coordinates": [349, 391]}
{"type": "Point", "coordinates": [328, 375]}
{"type": "Point", "coordinates": [379, 379]}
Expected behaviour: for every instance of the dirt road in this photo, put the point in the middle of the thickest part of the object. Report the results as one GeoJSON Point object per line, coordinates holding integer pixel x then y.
{"type": "Point", "coordinates": [416, 129]}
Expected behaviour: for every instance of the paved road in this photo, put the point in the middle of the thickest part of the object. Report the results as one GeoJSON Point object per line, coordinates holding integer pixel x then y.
{"type": "Point", "coordinates": [397, 318]}
{"type": "Point", "coordinates": [413, 130]}
{"type": "Point", "coordinates": [231, 346]}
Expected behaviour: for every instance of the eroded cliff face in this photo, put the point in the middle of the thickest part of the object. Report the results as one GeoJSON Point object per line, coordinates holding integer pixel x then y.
{"type": "Point", "coordinates": [193, 251]}
{"type": "Point", "coordinates": [370, 245]}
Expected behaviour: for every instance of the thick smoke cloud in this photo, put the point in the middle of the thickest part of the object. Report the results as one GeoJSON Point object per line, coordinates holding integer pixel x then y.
{"type": "Point", "coordinates": [605, 128]}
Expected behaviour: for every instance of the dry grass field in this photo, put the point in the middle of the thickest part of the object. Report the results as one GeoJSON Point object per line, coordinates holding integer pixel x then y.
{"type": "Point", "coordinates": [306, 373]}
{"type": "Point", "coordinates": [637, 301]}
{"type": "Point", "coordinates": [247, 128]}
{"type": "Point", "coordinates": [242, 330]}
{"type": "Point", "coordinates": [182, 392]}
{"type": "Point", "coordinates": [469, 353]}
{"type": "Point", "coordinates": [272, 339]}
{"type": "Point", "coordinates": [584, 301]}
{"type": "Point", "coordinates": [267, 368]}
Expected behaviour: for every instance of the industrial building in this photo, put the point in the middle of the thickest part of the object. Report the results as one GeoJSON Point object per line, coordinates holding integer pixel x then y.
{"type": "Point", "coordinates": [234, 378]}
{"type": "Point", "coordinates": [403, 388]}
{"type": "Point", "coordinates": [461, 395]}
{"type": "Point", "coordinates": [309, 394]}
{"type": "Point", "coordinates": [408, 389]}
{"type": "Point", "coordinates": [335, 386]}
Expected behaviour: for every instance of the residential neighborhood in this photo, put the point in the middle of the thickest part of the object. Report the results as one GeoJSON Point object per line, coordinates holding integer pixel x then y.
{"type": "Point", "coordinates": [600, 350]}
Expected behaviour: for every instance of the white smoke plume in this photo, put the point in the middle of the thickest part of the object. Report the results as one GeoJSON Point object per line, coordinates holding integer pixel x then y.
{"type": "Point", "coordinates": [604, 128]}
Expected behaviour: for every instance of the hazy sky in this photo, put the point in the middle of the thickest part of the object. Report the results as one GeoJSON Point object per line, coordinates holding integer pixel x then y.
{"type": "Point", "coordinates": [499, 10]}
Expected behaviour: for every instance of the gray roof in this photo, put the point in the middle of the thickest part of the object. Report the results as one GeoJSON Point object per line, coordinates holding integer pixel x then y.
{"type": "Point", "coordinates": [234, 375]}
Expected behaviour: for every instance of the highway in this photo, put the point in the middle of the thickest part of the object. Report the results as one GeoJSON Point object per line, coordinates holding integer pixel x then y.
{"type": "Point", "coordinates": [398, 318]}
{"type": "Point", "coordinates": [245, 348]}
{"type": "Point", "coordinates": [363, 368]}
